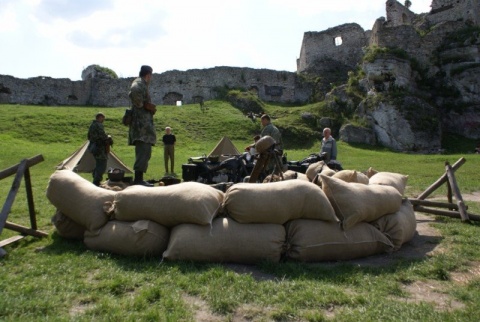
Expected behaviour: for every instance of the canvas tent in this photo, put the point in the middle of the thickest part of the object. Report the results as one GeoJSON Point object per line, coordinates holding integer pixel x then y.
{"type": "Point", "coordinates": [84, 162]}
{"type": "Point", "coordinates": [224, 149]}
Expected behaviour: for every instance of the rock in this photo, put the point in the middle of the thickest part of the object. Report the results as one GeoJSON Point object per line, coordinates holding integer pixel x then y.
{"type": "Point", "coordinates": [356, 134]}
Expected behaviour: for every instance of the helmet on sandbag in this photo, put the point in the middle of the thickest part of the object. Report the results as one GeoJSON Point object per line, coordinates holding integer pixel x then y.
{"type": "Point", "coordinates": [264, 143]}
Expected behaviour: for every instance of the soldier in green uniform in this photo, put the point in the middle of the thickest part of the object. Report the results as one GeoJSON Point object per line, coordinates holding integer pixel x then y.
{"type": "Point", "coordinates": [271, 130]}
{"type": "Point", "coordinates": [99, 146]}
{"type": "Point", "coordinates": [141, 132]}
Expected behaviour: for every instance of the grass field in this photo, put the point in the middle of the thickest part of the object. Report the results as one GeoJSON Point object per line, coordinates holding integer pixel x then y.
{"type": "Point", "coordinates": [56, 279]}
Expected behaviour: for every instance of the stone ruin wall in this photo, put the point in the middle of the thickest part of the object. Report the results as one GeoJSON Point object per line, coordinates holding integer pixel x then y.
{"type": "Point", "coordinates": [166, 88]}
{"type": "Point", "coordinates": [317, 45]}
{"type": "Point", "coordinates": [455, 10]}
{"type": "Point", "coordinates": [396, 30]}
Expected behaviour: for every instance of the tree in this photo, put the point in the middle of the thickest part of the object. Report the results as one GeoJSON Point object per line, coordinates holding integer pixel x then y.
{"type": "Point", "coordinates": [408, 3]}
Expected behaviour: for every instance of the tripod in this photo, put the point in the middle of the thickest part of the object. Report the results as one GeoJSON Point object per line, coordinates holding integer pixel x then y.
{"type": "Point", "coordinates": [264, 160]}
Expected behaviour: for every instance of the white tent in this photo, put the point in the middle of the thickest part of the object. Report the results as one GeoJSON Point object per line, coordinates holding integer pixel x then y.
{"type": "Point", "coordinates": [84, 162]}
{"type": "Point", "coordinates": [224, 149]}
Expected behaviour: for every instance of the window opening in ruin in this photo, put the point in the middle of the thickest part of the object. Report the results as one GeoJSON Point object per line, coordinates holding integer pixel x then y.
{"type": "Point", "coordinates": [338, 41]}
{"type": "Point", "coordinates": [179, 103]}
{"type": "Point", "coordinates": [404, 18]}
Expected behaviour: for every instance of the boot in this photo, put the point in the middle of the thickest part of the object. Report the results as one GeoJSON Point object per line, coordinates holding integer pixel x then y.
{"type": "Point", "coordinates": [139, 179]}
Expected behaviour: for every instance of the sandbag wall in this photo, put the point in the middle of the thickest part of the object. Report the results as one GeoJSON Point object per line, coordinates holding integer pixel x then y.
{"type": "Point", "coordinates": [291, 219]}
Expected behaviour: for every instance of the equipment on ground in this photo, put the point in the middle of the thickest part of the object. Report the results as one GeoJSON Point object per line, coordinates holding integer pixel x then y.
{"type": "Point", "coordinates": [302, 166]}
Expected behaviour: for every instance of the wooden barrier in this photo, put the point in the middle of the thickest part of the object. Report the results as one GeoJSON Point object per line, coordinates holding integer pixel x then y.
{"type": "Point", "coordinates": [20, 170]}
{"type": "Point", "coordinates": [458, 210]}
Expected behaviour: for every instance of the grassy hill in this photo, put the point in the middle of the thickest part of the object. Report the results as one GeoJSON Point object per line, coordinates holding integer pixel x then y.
{"type": "Point", "coordinates": [56, 279]}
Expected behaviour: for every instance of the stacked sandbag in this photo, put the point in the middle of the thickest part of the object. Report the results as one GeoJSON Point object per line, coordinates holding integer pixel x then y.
{"type": "Point", "coordinates": [351, 176]}
{"type": "Point", "coordinates": [316, 240]}
{"type": "Point", "coordinates": [141, 238]}
{"type": "Point", "coordinates": [226, 241]}
{"type": "Point", "coordinates": [356, 202]}
{"type": "Point", "coordinates": [78, 199]}
{"type": "Point", "coordinates": [277, 202]}
{"type": "Point", "coordinates": [316, 168]}
{"type": "Point", "coordinates": [66, 227]}
{"type": "Point", "coordinates": [396, 180]}
{"type": "Point", "coordinates": [188, 202]}
{"type": "Point", "coordinates": [399, 227]}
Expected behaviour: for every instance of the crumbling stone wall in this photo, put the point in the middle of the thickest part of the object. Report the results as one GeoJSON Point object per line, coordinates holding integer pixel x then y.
{"type": "Point", "coordinates": [455, 10]}
{"type": "Point", "coordinates": [342, 43]}
{"type": "Point", "coordinates": [166, 88]}
{"type": "Point", "coordinates": [398, 14]}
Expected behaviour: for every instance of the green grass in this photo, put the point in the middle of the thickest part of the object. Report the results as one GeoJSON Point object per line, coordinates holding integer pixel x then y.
{"type": "Point", "coordinates": [56, 279]}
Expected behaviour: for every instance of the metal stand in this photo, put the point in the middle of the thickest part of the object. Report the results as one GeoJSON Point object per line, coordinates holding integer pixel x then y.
{"type": "Point", "coordinates": [263, 161]}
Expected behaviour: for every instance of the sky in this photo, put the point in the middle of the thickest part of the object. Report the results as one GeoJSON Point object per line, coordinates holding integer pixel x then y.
{"type": "Point", "coordinates": [60, 38]}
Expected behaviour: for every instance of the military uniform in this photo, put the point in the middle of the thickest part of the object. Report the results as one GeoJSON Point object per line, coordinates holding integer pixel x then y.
{"type": "Point", "coordinates": [274, 132]}
{"type": "Point", "coordinates": [142, 129]}
{"type": "Point", "coordinates": [98, 147]}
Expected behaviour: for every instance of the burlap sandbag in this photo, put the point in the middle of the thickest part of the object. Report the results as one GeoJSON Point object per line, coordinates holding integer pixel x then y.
{"type": "Point", "coordinates": [396, 180]}
{"type": "Point", "coordinates": [346, 175]}
{"type": "Point", "coordinates": [302, 176]}
{"type": "Point", "coordinates": [264, 143]}
{"type": "Point", "coordinates": [370, 172]}
{"type": "Point", "coordinates": [277, 202]}
{"type": "Point", "coordinates": [314, 169]}
{"type": "Point", "coordinates": [226, 241]}
{"type": "Point", "coordinates": [66, 227]}
{"type": "Point", "coordinates": [316, 240]}
{"type": "Point", "coordinates": [357, 202]}
{"type": "Point", "coordinates": [140, 238]}
{"type": "Point", "coordinates": [362, 178]}
{"type": "Point", "coordinates": [188, 202]}
{"type": "Point", "coordinates": [399, 227]}
{"type": "Point", "coordinates": [79, 199]}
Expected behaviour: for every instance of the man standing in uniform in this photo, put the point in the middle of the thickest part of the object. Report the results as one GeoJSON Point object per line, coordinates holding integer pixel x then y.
{"type": "Point", "coordinates": [99, 146]}
{"type": "Point", "coordinates": [271, 130]}
{"type": "Point", "coordinates": [141, 132]}
{"type": "Point", "coordinates": [169, 149]}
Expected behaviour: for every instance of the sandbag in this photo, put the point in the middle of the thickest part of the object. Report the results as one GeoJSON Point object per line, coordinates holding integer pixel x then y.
{"type": "Point", "coordinates": [396, 180]}
{"type": "Point", "coordinates": [79, 199]}
{"type": "Point", "coordinates": [188, 202]}
{"type": "Point", "coordinates": [314, 169]}
{"type": "Point", "coordinates": [277, 202]}
{"type": "Point", "coordinates": [362, 178]}
{"type": "Point", "coordinates": [371, 172]}
{"type": "Point", "coordinates": [66, 227]}
{"type": "Point", "coordinates": [346, 175]}
{"type": "Point", "coordinates": [357, 202]}
{"type": "Point", "coordinates": [399, 227]}
{"type": "Point", "coordinates": [264, 143]}
{"type": "Point", "coordinates": [140, 238]}
{"type": "Point", "coordinates": [226, 241]}
{"type": "Point", "coordinates": [316, 240]}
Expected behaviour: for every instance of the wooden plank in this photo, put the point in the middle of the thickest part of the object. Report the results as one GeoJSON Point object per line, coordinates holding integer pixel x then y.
{"type": "Point", "coordinates": [25, 230]}
{"type": "Point", "coordinates": [10, 240]}
{"type": "Point", "coordinates": [438, 204]}
{"type": "Point", "coordinates": [7, 206]}
{"type": "Point", "coordinates": [12, 170]}
{"type": "Point", "coordinates": [456, 192]}
{"type": "Point", "coordinates": [441, 180]}
{"type": "Point", "coordinates": [31, 205]}
{"type": "Point", "coordinates": [447, 213]}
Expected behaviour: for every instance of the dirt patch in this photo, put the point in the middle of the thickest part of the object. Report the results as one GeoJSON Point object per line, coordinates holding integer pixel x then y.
{"type": "Point", "coordinates": [472, 272]}
{"type": "Point", "coordinates": [431, 292]}
{"type": "Point", "coordinates": [201, 309]}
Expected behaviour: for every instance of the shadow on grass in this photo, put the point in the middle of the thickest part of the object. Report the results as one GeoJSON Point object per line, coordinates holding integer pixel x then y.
{"type": "Point", "coordinates": [410, 254]}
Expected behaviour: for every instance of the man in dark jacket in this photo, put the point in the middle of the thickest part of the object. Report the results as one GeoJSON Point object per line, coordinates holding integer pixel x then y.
{"type": "Point", "coordinates": [99, 146]}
